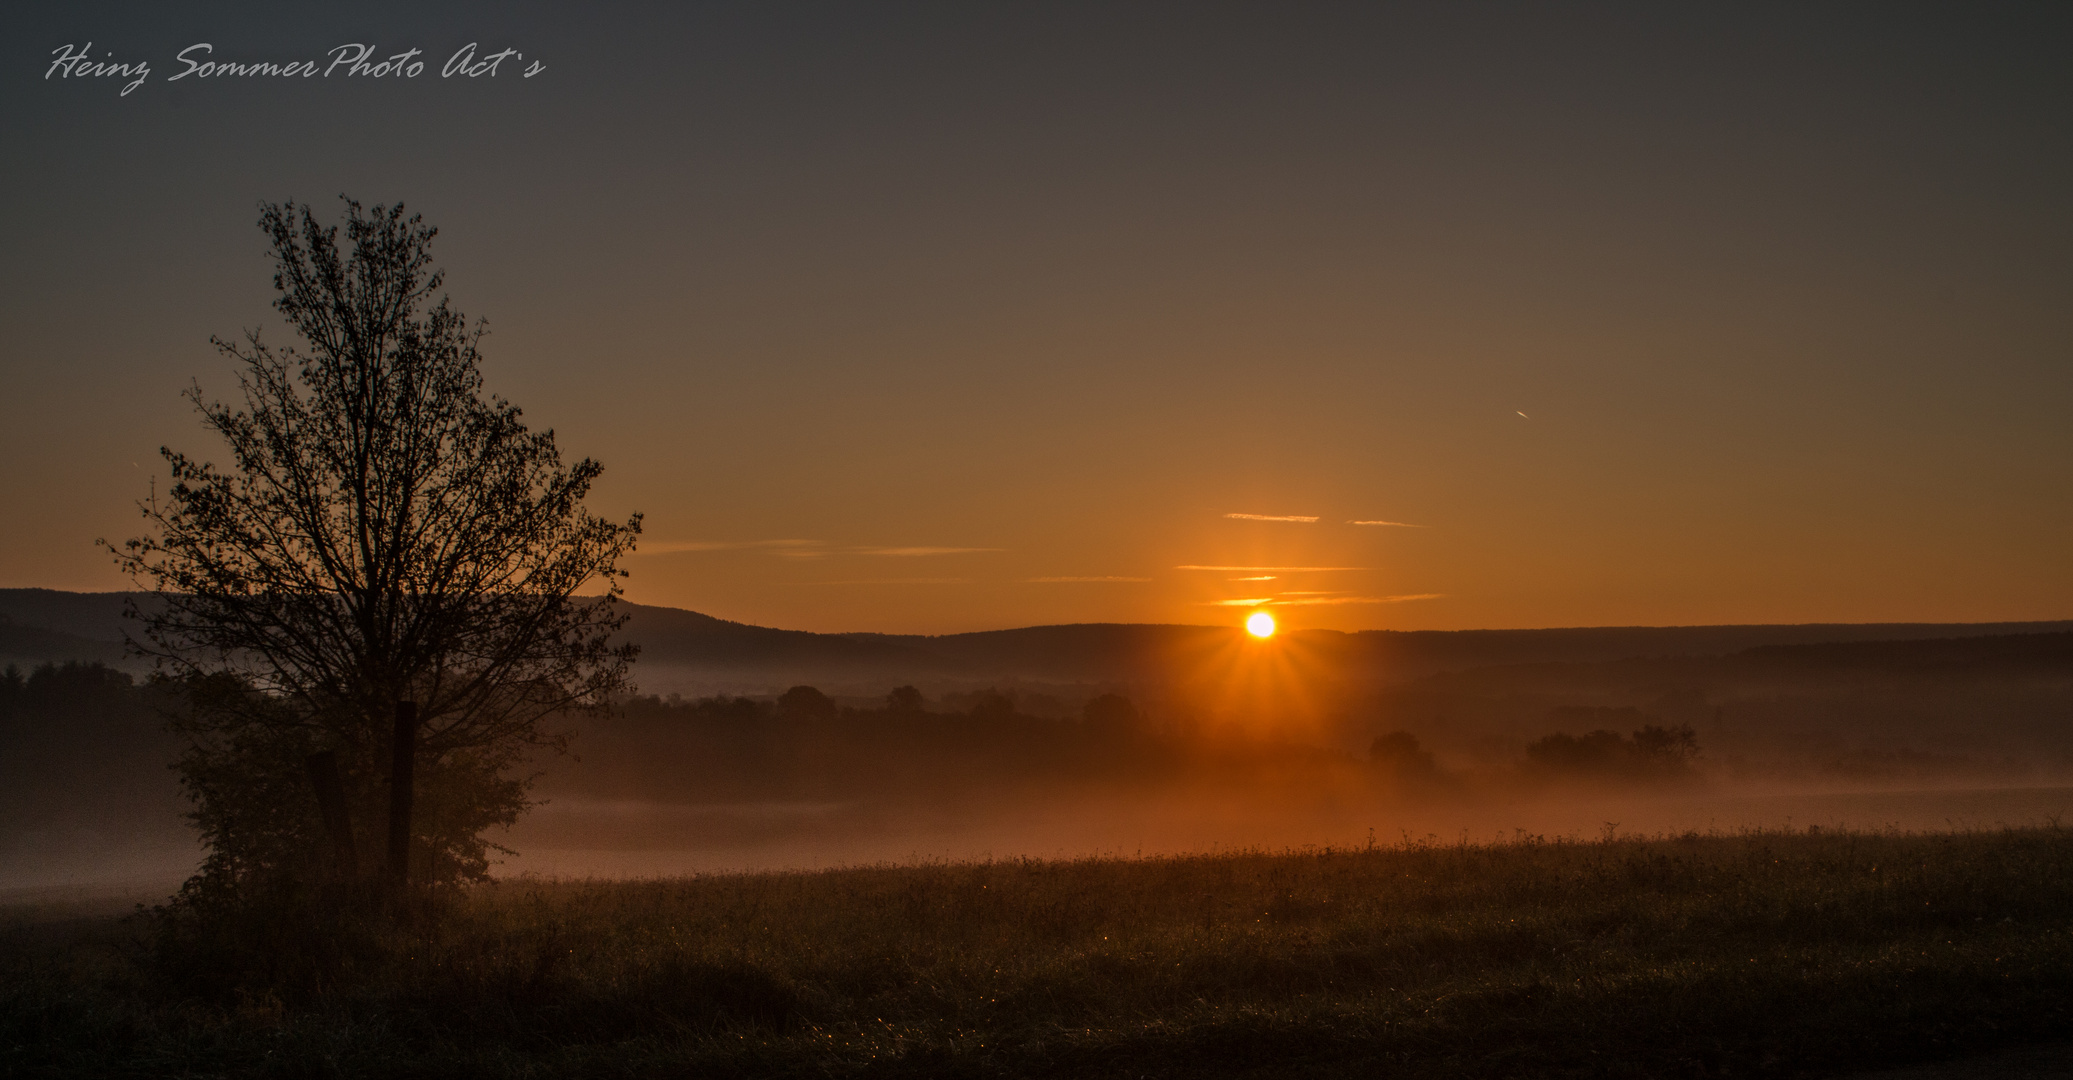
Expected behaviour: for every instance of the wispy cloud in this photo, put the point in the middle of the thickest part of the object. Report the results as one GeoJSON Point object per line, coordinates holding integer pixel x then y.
{"type": "Point", "coordinates": [671, 547]}
{"type": "Point", "coordinates": [1273, 569]}
{"type": "Point", "coordinates": [904, 552]}
{"type": "Point", "coordinates": [797, 549]}
{"type": "Point", "coordinates": [1257, 577]}
{"type": "Point", "coordinates": [1062, 580]}
{"type": "Point", "coordinates": [891, 581]}
{"type": "Point", "coordinates": [1395, 524]}
{"type": "Point", "coordinates": [1273, 517]}
{"type": "Point", "coordinates": [1300, 600]}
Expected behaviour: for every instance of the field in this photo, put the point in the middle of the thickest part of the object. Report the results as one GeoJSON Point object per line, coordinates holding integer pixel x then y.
{"type": "Point", "coordinates": [1801, 953]}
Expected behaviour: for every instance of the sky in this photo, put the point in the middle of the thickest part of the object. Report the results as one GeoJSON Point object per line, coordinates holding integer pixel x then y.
{"type": "Point", "coordinates": [933, 318]}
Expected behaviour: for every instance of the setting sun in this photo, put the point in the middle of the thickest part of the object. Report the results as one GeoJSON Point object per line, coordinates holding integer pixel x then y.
{"type": "Point", "coordinates": [1260, 624]}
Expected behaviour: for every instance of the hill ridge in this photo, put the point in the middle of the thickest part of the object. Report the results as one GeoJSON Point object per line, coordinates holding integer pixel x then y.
{"type": "Point", "coordinates": [58, 624]}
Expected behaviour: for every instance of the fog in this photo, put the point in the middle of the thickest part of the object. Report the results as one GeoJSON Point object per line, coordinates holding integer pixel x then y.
{"type": "Point", "coordinates": [1922, 735]}
{"type": "Point", "coordinates": [144, 857]}
{"type": "Point", "coordinates": [585, 838]}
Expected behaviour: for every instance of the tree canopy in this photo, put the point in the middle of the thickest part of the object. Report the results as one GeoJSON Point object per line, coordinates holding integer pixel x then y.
{"type": "Point", "coordinates": [383, 531]}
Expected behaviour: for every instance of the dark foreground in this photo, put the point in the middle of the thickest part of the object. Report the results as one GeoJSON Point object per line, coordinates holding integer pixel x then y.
{"type": "Point", "coordinates": [1767, 954]}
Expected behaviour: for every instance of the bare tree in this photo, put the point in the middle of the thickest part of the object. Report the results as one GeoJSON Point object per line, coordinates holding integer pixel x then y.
{"type": "Point", "coordinates": [384, 535]}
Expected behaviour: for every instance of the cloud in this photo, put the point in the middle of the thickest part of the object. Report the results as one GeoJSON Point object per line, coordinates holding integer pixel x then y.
{"type": "Point", "coordinates": [1061, 580]}
{"type": "Point", "coordinates": [1303, 600]}
{"type": "Point", "coordinates": [912, 551]}
{"type": "Point", "coordinates": [1359, 599]}
{"type": "Point", "coordinates": [795, 549]}
{"type": "Point", "coordinates": [1275, 569]}
{"type": "Point", "coordinates": [1260, 577]}
{"type": "Point", "coordinates": [783, 547]}
{"type": "Point", "coordinates": [1397, 524]}
{"type": "Point", "coordinates": [671, 547]}
{"type": "Point", "coordinates": [892, 581]}
{"type": "Point", "coordinates": [1273, 517]}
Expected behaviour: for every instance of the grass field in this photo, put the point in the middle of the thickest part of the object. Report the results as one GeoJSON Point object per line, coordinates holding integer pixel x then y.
{"type": "Point", "coordinates": [1768, 953]}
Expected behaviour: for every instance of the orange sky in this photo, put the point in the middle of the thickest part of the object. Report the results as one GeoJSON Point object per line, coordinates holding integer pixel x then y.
{"type": "Point", "coordinates": [927, 322]}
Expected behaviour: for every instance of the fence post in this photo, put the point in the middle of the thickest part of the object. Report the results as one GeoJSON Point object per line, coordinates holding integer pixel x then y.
{"type": "Point", "coordinates": [401, 775]}
{"type": "Point", "coordinates": [331, 803]}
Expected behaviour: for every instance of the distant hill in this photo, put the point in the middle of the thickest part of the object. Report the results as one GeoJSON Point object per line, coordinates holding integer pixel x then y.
{"type": "Point", "coordinates": [34, 644]}
{"type": "Point", "coordinates": [1984, 657]}
{"type": "Point", "coordinates": [88, 616]}
{"type": "Point", "coordinates": [48, 624]}
{"type": "Point", "coordinates": [686, 638]}
{"type": "Point", "coordinates": [1134, 651]}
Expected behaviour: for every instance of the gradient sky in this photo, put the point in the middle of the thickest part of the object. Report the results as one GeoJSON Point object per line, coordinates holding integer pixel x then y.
{"type": "Point", "coordinates": [936, 318]}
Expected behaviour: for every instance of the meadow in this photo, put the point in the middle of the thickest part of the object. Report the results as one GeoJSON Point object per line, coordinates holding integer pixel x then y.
{"type": "Point", "coordinates": [1772, 953]}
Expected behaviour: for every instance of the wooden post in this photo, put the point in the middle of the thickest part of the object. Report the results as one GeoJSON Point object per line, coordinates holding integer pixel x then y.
{"type": "Point", "coordinates": [338, 823]}
{"type": "Point", "coordinates": [401, 770]}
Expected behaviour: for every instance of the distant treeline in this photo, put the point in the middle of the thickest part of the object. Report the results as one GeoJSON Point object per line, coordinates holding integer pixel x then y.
{"type": "Point", "coordinates": [804, 745]}
{"type": "Point", "coordinates": [84, 746]}
{"type": "Point", "coordinates": [85, 742]}
{"type": "Point", "coordinates": [1967, 710]}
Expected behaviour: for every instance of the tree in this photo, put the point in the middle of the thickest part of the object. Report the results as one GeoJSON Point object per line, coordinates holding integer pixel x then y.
{"type": "Point", "coordinates": [806, 703]}
{"type": "Point", "coordinates": [990, 705]}
{"type": "Point", "coordinates": [1400, 756]}
{"type": "Point", "coordinates": [384, 535]}
{"type": "Point", "coordinates": [1668, 748]}
{"type": "Point", "coordinates": [1112, 714]}
{"type": "Point", "coordinates": [1651, 752]}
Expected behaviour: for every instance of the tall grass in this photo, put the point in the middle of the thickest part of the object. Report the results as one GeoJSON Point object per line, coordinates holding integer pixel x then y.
{"type": "Point", "coordinates": [1787, 953]}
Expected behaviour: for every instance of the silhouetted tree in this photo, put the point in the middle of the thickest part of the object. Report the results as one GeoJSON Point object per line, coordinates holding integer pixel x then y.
{"type": "Point", "coordinates": [384, 532]}
{"type": "Point", "coordinates": [903, 699]}
{"type": "Point", "coordinates": [1399, 756]}
{"type": "Point", "coordinates": [1652, 752]}
{"type": "Point", "coordinates": [1670, 747]}
{"type": "Point", "coordinates": [1597, 752]}
{"type": "Point", "coordinates": [1111, 714]}
{"type": "Point", "coordinates": [805, 703]}
{"type": "Point", "coordinates": [992, 705]}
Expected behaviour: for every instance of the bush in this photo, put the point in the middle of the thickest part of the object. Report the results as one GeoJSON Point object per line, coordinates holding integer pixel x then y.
{"type": "Point", "coordinates": [1651, 752]}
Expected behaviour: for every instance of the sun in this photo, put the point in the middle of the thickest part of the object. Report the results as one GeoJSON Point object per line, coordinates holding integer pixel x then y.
{"type": "Point", "coordinates": [1260, 624]}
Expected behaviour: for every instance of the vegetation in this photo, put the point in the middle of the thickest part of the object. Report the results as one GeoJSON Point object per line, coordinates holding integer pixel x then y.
{"type": "Point", "coordinates": [1954, 711]}
{"type": "Point", "coordinates": [805, 746]}
{"type": "Point", "coordinates": [84, 752]}
{"type": "Point", "coordinates": [1652, 753]}
{"type": "Point", "coordinates": [1762, 953]}
{"type": "Point", "coordinates": [382, 582]}
{"type": "Point", "coordinates": [1400, 757]}
{"type": "Point", "coordinates": [87, 746]}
